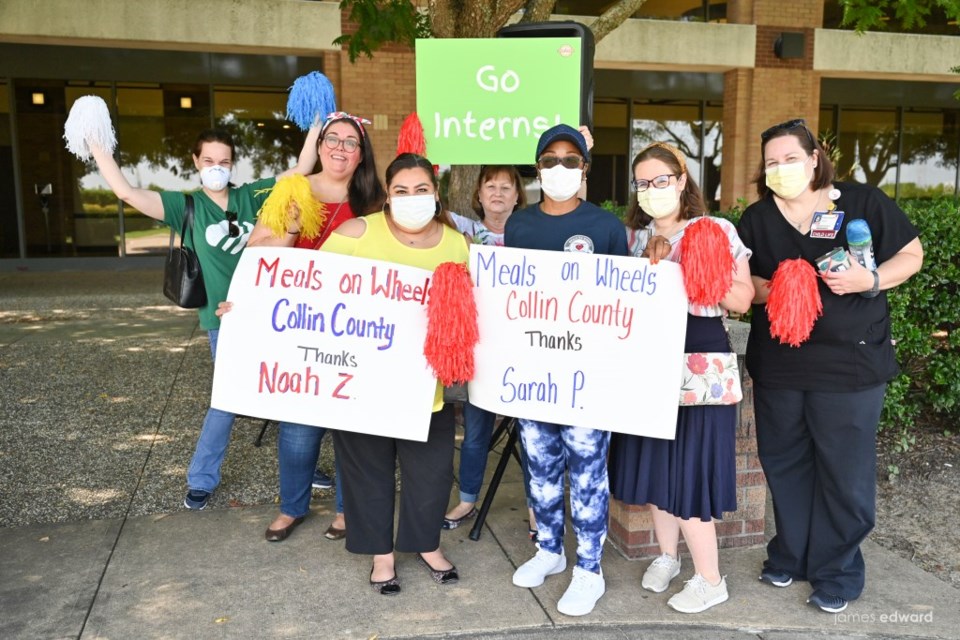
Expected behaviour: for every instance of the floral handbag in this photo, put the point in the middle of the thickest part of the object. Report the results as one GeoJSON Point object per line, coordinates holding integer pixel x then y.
{"type": "Point", "coordinates": [711, 378]}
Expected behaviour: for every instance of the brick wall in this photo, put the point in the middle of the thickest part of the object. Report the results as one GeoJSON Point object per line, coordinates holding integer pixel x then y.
{"type": "Point", "coordinates": [631, 527]}
{"type": "Point", "coordinates": [774, 90]}
{"type": "Point", "coordinates": [382, 90]}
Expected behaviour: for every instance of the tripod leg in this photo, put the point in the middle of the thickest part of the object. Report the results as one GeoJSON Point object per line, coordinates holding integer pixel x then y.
{"type": "Point", "coordinates": [495, 481]}
{"type": "Point", "coordinates": [263, 429]}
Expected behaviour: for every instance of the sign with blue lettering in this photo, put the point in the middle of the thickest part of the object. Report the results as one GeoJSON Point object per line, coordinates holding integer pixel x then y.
{"type": "Point", "coordinates": [579, 339]}
{"type": "Point", "coordinates": [327, 340]}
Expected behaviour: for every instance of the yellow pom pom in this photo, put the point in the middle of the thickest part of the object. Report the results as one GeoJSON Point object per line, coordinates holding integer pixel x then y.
{"type": "Point", "coordinates": [280, 209]}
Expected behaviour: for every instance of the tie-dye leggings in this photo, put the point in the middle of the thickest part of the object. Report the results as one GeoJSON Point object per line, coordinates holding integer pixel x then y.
{"type": "Point", "coordinates": [552, 449]}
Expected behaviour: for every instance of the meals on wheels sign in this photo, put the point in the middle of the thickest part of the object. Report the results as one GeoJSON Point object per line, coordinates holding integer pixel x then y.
{"type": "Point", "coordinates": [579, 339]}
{"type": "Point", "coordinates": [328, 340]}
{"type": "Point", "coordinates": [486, 101]}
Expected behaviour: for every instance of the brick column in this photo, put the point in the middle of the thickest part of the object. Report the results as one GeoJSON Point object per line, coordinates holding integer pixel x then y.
{"type": "Point", "coordinates": [776, 89]}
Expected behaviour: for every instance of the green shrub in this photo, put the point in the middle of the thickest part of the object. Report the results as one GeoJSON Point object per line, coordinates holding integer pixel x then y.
{"type": "Point", "coordinates": [925, 314]}
{"type": "Point", "coordinates": [619, 210]}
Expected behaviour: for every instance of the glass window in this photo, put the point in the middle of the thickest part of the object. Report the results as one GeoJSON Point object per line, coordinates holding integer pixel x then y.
{"type": "Point", "coordinates": [266, 143]}
{"type": "Point", "coordinates": [9, 239]}
{"type": "Point", "coordinates": [94, 208]}
{"type": "Point", "coordinates": [685, 10]}
{"type": "Point", "coordinates": [929, 164]}
{"type": "Point", "coordinates": [680, 124]}
{"type": "Point", "coordinates": [868, 144]}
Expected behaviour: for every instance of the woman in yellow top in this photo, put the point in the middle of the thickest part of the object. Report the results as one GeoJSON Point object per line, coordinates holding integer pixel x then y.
{"type": "Point", "coordinates": [413, 230]}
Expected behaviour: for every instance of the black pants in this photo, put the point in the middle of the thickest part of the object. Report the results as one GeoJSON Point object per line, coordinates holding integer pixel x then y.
{"type": "Point", "coordinates": [818, 451]}
{"type": "Point", "coordinates": [368, 464]}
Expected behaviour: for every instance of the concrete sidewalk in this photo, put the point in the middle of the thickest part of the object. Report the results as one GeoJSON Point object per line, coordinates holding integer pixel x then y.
{"type": "Point", "coordinates": [102, 390]}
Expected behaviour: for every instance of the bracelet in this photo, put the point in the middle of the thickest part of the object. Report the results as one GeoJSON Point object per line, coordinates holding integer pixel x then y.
{"type": "Point", "coordinates": [876, 283]}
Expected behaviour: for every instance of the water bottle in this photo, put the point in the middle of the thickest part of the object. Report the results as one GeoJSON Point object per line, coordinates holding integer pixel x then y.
{"type": "Point", "coordinates": [860, 243]}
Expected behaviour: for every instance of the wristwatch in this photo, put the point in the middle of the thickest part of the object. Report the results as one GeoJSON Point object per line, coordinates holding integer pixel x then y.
{"type": "Point", "coordinates": [876, 283]}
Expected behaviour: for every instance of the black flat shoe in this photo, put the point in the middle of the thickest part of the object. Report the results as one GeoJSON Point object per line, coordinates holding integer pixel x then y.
{"type": "Point", "coordinates": [453, 523]}
{"type": "Point", "coordinates": [333, 533]}
{"type": "Point", "coordinates": [447, 576]}
{"type": "Point", "coordinates": [389, 587]}
{"type": "Point", "coordinates": [279, 535]}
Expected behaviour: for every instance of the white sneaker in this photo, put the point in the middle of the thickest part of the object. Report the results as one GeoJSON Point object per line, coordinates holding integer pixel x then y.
{"type": "Point", "coordinates": [532, 572]}
{"type": "Point", "coordinates": [660, 572]}
{"type": "Point", "coordinates": [581, 596]}
{"type": "Point", "coordinates": [699, 595]}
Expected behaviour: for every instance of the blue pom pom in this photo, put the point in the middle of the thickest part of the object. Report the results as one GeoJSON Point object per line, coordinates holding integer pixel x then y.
{"type": "Point", "coordinates": [311, 99]}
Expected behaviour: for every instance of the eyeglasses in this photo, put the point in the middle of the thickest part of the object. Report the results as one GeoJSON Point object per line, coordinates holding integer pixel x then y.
{"type": "Point", "coordinates": [787, 126]}
{"type": "Point", "coordinates": [569, 162]}
{"type": "Point", "coordinates": [332, 141]}
{"type": "Point", "coordinates": [232, 229]}
{"type": "Point", "coordinates": [660, 182]}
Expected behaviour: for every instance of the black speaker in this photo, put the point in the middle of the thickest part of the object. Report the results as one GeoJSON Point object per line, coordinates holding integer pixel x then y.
{"type": "Point", "coordinates": [565, 29]}
{"type": "Point", "coordinates": [789, 44]}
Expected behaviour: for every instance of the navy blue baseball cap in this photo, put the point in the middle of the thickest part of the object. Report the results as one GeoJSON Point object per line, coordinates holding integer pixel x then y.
{"type": "Point", "coordinates": [563, 132]}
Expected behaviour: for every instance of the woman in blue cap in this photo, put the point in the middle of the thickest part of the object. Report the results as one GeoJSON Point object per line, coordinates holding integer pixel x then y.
{"type": "Point", "coordinates": [561, 221]}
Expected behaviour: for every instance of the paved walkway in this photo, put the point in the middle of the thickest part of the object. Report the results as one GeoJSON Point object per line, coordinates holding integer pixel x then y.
{"type": "Point", "coordinates": [102, 389]}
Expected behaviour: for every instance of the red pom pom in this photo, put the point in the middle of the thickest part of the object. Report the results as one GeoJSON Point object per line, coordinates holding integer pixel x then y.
{"type": "Point", "coordinates": [451, 324]}
{"type": "Point", "coordinates": [794, 302]}
{"type": "Point", "coordinates": [707, 262]}
{"type": "Point", "coordinates": [411, 138]}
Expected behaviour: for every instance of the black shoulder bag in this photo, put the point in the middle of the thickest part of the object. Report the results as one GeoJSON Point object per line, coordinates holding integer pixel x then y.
{"type": "Point", "coordinates": [182, 277]}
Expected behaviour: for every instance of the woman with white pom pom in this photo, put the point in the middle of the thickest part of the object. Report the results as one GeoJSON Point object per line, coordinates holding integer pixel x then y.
{"type": "Point", "coordinates": [224, 216]}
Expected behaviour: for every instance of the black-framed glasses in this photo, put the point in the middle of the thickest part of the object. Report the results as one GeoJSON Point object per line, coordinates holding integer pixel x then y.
{"type": "Point", "coordinates": [784, 127]}
{"type": "Point", "coordinates": [233, 230]}
{"type": "Point", "coordinates": [569, 162]}
{"type": "Point", "coordinates": [660, 182]}
{"type": "Point", "coordinates": [332, 141]}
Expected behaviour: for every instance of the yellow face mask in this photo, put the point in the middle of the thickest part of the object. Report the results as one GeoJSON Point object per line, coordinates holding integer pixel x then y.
{"type": "Point", "coordinates": [788, 180]}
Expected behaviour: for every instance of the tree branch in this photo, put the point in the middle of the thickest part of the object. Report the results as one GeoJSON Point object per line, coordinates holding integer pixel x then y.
{"type": "Point", "coordinates": [614, 17]}
{"type": "Point", "coordinates": [538, 10]}
{"type": "Point", "coordinates": [504, 9]}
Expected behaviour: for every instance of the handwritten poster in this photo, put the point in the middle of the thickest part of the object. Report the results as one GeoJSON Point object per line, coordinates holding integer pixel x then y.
{"type": "Point", "coordinates": [487, 100]}
{"type": "Point", "coordinates": [579, 339]}
{"type": "Point", "coordinates": [327, 340]}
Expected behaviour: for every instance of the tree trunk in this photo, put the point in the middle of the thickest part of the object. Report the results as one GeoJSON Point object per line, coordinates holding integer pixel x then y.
{"type": "Point", "coordinates": [463, 179]}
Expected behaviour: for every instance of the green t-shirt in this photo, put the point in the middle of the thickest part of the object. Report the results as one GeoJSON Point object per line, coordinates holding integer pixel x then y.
{"type": "Point", "coordinates": [217, 251]}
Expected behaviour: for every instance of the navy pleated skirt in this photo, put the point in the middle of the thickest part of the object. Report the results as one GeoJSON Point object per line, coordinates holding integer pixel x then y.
{"type": "Point", "coordinates": [694, 475]}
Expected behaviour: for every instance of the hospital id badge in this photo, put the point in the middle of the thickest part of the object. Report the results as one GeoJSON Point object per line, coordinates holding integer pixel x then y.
{"type": "Point", "coordinates": [826, 224]}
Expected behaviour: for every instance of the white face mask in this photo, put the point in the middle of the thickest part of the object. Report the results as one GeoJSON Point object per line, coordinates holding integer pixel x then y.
{"type": "Point", "coordinates": [560, 183]}
{"type": "Point", "coordinates": [659, 203]}
{"type": "Point", "coordinates": [215, 178]}
{"type": "Point", "coordinates": [413, 212]}
{"type": "Point", "coordinates": [788, 180]}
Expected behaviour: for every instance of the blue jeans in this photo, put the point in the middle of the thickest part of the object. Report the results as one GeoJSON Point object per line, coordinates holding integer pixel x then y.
{"type": "Point", "coordinates": [551, 450]}
{"type": "Point", "coordinates": [298, 448]}
{"type": "Point", "coordinates": [204, 471]}
{"type": "Point", "coordinates": [478, 428]}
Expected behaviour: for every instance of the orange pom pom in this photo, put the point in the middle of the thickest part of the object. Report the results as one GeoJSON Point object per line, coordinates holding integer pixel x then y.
{"type": "Point", "coordinates": [794, 302]}
{"type": "Point", "coordinates": [451, 324]}
{"type": "Point", "coordinates": [707, 262]}
{"type": "Point", "coordinates": [410, 139]}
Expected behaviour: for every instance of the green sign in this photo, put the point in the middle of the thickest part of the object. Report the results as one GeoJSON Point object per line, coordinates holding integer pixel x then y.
{"type": "Point", "coordinates": [486, 101]}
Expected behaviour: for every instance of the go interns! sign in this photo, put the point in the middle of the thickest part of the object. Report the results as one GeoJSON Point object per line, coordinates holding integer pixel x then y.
{"type": "Point", "coordinates": [486, 101]}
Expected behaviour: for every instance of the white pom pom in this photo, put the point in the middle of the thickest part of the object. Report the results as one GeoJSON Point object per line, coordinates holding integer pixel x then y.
{"type": "Point", "coordinates": [89, 123]}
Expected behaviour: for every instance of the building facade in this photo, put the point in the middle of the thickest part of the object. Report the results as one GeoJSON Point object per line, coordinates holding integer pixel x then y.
{"type": "Point", "coordinates": [708, 76]}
